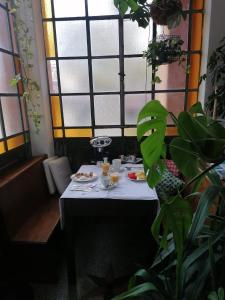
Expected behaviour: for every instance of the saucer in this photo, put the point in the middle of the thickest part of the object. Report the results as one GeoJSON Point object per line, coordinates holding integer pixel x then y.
{"type": "Point", "coordinates": [110, 187]}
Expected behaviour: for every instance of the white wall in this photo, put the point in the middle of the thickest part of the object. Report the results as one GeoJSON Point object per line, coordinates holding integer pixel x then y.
{"type": "Point", "coordinates": [42, 142]}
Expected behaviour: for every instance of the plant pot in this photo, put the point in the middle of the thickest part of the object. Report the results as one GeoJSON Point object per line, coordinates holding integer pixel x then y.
{"type": "Point", "coordinates": [161, 10]}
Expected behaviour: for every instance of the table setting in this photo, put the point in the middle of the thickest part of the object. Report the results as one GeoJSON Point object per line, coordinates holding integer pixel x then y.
{"type": "Point", "coordinates": [105, 180]}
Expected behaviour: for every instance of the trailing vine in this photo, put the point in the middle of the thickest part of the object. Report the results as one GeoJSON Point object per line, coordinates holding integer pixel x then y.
{"type": "Point", "coordinates": [31, 88]}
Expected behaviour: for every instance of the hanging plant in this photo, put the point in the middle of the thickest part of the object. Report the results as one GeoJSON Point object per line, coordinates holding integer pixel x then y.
{"type": "Point", "coordinates": [164, 50]}
{"type": "Point", "coordinates": [163, 12]}
{"type": "Point", "coordinates": [31, 88]}
{"type": "Point", "coordinates": [167, 12]}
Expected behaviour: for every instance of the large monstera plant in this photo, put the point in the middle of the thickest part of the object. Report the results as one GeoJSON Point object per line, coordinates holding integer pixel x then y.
{"type": "Point", "coordinates": [190, 264]}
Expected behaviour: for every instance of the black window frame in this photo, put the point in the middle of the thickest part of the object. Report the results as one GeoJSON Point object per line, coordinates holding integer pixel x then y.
{"type": "Point", "coordinates": [22, 152]}
{"type": "Point", "coordinates": [186, 90]}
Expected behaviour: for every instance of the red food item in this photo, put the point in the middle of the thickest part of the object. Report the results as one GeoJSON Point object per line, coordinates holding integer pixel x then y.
{"type": "Point", "coordinates": [132, 175]}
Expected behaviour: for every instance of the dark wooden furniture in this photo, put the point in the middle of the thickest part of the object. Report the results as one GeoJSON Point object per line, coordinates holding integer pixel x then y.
{"type": "Point", "coordinates": [28, 212]}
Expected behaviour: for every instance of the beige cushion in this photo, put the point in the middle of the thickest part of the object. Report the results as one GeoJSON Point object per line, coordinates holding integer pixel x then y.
{"type": "Point", "coordinates": [48, 174]}
{"type": "Point", "coordinates": [61, 172]}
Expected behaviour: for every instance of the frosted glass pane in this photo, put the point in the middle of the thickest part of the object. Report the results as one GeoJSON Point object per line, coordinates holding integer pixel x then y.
{"type": "Point", "coordinates": [107, 110]}
{"type": "Point", "coordinates": [108, 132]}
{"type": "Point", "coordinates": [104, 37]}
{"type": "Point", "coordinates": [4, 31]}
{"type": "Point", "coordinates": [71, 38]}
{"type": "Point", "coordinates": [69, 8]}
{"type": "Point", "coordinates": [135, 71]}
{"type": "Point", "coordinates": [105, 75]}
{"type": "Point", "coordinates": [173, 76]}
{"type": "Point", "coordinates": [173, 102]}
{"type": "Point", "coordinates": [135, 38]}
{"type": "Point", "coordinates": [15, 48]}
{"type": "Point", "coordinates": [76, 110]}
{"type": "Point", "coordinates": [74, 76]}
{"type": "Point", "coordinates": [6, 73]}
{"type": "Point", "coordinates": [11, 115]}
{"type": "Point", "coordinates": [105, 8]}
{"type": "Point", "coordinates": [133, 105]}
{"type": "Point", "coordinates": [52, 76]}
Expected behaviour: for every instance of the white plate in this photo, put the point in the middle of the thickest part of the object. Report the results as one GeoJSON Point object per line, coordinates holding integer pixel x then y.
{"type": "Point", "coordinates": [84, 179]}
{"type": "Point", "coordinates": [137, 180]}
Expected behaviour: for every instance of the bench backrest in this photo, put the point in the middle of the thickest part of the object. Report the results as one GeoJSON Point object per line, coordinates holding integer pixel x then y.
{"type": "Point", "coordinates": [22, 191]}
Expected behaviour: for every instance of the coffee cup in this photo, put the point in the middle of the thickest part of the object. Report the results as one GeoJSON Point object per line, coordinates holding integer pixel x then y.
{"type": "Point", "coordinates": [116, 164]}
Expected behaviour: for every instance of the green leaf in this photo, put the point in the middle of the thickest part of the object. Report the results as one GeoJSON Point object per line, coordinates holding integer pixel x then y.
{"type": "Point", "coordinates": [122, 6]}
{"type": "Point", "coordinates": [133, 5]}
{"type": "Point", "coordinates": [137, 291]}
{"type": "Point", "coordinates": [175, 216]}
{"type": "Point", "coordinates": [152, 120]}
{"type": "Point", "coordinates": [185, 157]}
{"type": "Point", "coordinates": [197, 109]}
{"type": "Point", "coordinates": [221, 293]}
{"type": "Point", "coordinates": [202, 211]}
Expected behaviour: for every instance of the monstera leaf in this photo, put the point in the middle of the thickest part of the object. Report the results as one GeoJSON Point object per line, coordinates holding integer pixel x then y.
{"type": "Point", "coordinates": [175, 215]}
{"type": "Point", "coordinates": [152, 121]}
{"type": "Point", "coordinates": [201, 140]}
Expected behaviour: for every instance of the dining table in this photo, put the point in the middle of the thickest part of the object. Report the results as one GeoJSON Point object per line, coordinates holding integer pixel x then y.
{"type": "Point", "coordinates": [128, 198]}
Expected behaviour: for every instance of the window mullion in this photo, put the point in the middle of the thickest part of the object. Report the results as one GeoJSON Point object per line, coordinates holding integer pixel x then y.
{"type": "Point", "coordinates": [3, 126]}
{"type": "Point", "coordinates": [90, 67]}
{"type": "Point", "coordinates": [121, 73]}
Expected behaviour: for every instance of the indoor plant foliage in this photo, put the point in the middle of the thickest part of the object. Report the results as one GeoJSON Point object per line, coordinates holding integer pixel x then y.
{"type": "Point", "coordinates": [31, 89]}
{"type": "Point", "coordinates": [164, 50]}
{"type": "Point", "coordinates": [163, 12]}
{"type": "Point", "coordinates": [167, 12]}
{"type": "Point", "coordinates": [190, 260]}
{"type": "Point", "coordinates": [215, 104]}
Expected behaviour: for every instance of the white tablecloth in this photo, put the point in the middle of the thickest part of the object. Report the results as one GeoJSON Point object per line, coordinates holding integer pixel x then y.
{"type": "Point", "coordinates": [124, 191]}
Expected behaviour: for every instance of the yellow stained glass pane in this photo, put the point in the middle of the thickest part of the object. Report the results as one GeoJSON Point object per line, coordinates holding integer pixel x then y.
{"type": "Point", "coordinates": [58, 133]}
{"type": "Point", "coordinates": [78, 132]}
{"type": "Point", "coordinates": [130, 131]}
{"type": "Point", "coordinates": [171, 131]}
{"type": "Point", "coordinates": [49, 39]}
{"type": "Point", "coordinates": [46, 8]}
{"type": "Point", "coordinates": [56, 111]}
{"type": "Point", "coordinates": [2, 147]}
{"type": "Point", "coordinates": [15, 142]}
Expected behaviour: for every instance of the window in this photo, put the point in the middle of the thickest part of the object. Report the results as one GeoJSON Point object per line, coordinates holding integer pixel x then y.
{"type": "Point", "coordinates": [98, 80]}
{"type": "Point", "coordinates": [13, 121]}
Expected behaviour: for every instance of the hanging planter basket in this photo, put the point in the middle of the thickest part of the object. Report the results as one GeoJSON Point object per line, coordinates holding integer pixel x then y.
{"type": "Point", "coordinates": [167, 12]}
{"type": "Point", "coordinates": [166, 49]}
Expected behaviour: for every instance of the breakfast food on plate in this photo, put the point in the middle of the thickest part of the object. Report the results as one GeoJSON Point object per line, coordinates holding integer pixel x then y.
{"type": "Point", "coordinates": [83, 176]}
{"type": "Point", "coordinates": [140, 175]}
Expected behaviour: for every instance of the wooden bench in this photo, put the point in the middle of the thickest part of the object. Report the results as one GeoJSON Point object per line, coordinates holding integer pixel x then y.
{"type": "Point", "coordinates": [27, 211]}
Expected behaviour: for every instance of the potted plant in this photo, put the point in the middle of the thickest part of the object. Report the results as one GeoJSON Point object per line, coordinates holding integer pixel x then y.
{"type": "Point", "coordinates": [164, 50]}
{"type": "Point", "coordinates": [215, 104]}
{"type": "Point", "coordinates": [163, 12]}
{"type": "Point", "coordinates": [167, 12]}
{"type": "Point", "coordinates": [190, 262]}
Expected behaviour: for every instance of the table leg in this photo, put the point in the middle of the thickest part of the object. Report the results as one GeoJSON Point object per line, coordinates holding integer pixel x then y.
{"type": "Point", "coordinates": [70, 253]}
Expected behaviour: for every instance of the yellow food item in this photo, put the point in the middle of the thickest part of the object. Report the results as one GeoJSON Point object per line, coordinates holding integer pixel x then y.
{"type": "Point", "coordinates": [140, 175]}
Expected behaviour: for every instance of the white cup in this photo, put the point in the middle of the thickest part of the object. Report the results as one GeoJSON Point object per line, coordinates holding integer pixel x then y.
{"type": "Point", "coordinates": [116, 164]}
